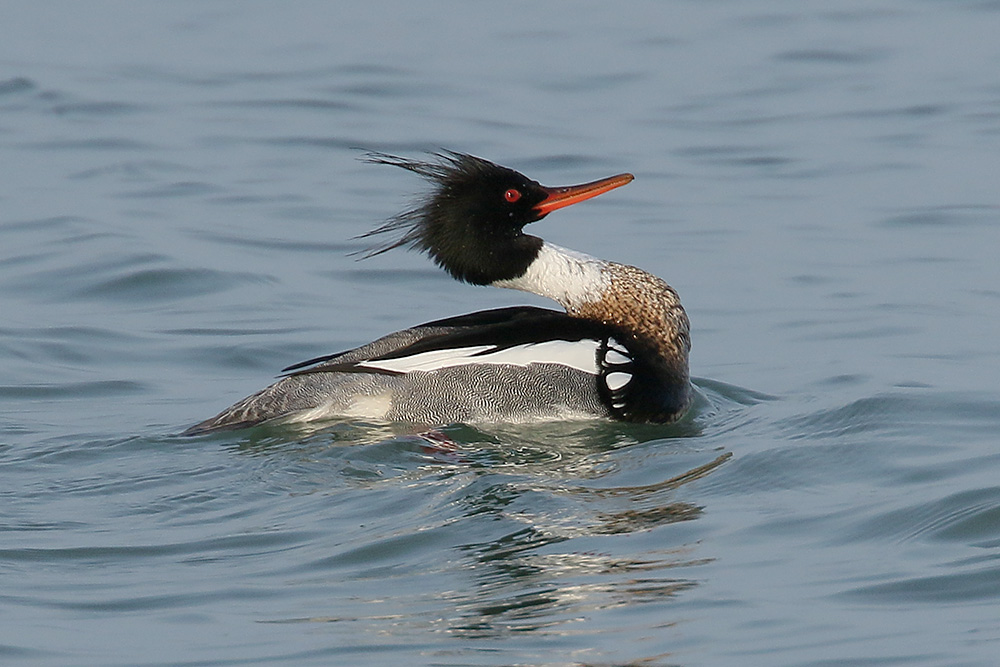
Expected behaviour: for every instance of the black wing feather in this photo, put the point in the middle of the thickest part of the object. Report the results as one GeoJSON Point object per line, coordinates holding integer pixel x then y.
{"type": "Point", "coordinates": [479, 318]}
{"type": "Point", "coordinates": [500, 329]}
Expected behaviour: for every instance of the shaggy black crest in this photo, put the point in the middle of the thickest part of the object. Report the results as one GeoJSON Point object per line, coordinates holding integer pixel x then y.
{"type": "Point", "coordinates": [471, 222]}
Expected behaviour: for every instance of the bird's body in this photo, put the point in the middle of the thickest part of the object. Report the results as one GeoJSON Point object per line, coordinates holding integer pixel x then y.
{"type": "Point", "coordinates": [619, 351]}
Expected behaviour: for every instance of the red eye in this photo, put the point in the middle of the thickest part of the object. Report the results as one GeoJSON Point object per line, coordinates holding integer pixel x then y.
{"type": "Point", "coordinates": [512, 195]}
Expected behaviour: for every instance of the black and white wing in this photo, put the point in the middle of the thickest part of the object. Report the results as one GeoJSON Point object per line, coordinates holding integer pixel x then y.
{"type": "Point", "coordinates": [508, 364]}
{"type": "Point", "coordinates": [521, 338]}
{"type": "Point", "coordinates": [517, 336]}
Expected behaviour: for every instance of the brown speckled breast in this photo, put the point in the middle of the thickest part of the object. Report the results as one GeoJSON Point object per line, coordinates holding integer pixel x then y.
{"type": "Point", "coordinates": [648, 310]}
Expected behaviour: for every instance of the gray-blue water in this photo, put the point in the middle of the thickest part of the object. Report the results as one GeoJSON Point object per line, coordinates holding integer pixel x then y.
{"type": "Point", "coordinates": [179, 189]}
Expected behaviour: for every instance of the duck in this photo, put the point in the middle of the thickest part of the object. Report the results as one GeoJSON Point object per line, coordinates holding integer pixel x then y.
{"type": "Point", "coordinates": [617, 350]}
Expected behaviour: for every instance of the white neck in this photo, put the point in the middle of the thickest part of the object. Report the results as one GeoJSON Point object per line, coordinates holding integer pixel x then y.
{"type": "Point", "coordinates": [568, 277]}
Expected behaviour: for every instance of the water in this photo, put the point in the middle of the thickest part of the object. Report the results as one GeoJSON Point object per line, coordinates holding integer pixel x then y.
{"type": "Point", "coordinates": [179, 195]}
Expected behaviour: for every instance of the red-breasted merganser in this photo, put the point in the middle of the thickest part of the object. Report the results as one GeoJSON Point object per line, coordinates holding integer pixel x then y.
{"type": "Point", "coordinates": [619, 351]}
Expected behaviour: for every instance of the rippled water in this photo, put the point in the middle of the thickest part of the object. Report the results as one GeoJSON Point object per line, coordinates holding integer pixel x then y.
{"type": "Point", "coordinates": [180, 194]}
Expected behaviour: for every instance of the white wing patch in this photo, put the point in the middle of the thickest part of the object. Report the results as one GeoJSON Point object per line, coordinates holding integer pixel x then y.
{"type": "Point", "coordinates": [617, 380]}
{"type": "Point", "coordinates": [617, 365]}
{"type": "Point", "coordinates": [581, 355]}
{"type": "Point", "coordinates": [613, 356]}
